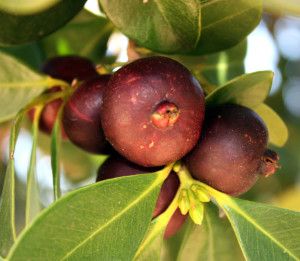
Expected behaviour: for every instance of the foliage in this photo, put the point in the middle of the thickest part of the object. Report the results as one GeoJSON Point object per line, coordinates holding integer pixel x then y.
{"type": "Point", "coordinates": [111, 220]}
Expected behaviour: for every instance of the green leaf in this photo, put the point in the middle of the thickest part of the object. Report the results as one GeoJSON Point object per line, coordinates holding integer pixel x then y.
{"type": "Point", "coordinates": [248, 90]}
{"type": "Point", "coordinates": [264, 232]}
{"type": "Point", "coordinates": [226, 23]}
{"type": "Point", "coordinates": [55, 156]}
{"type": "Point", "coordinates": [106, 220]}
{"type": "Point", "coordinates": [7, 200]}
{"type": "Point", "coordinates": [153, 249]}
{"type": "Point", "coordinates": [29, 54]}
{"type": "Point", "coordinates": [150, 248]}
{"type": "Point", "coordinates": [283, 7]}
{"type": "Point", "coordinates": [213, 240]}
{"type": "Point", "coordinates": [30, 21]}
{"type": "Point", "coordinates": [18, 86]}
{"type": "Point", "coordinates": [278, 132]}
{"type": "Point", "coordinates": [217, 69]}
{"type": "Point", "coordinates": [165, 26]}
{"type": "Point", "coordinates": [33, 206]}
{"type": "Point", "coordinates": [93, 29]}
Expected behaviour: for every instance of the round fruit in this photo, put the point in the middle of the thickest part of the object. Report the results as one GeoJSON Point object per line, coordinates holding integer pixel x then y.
{"type": "Point", "coordinates": [68, 68]}
{"type": "Point", "coordinates": [153, 111]}
{"type": "Point", "coordinates": [49, 114]}
{"type": "Point", "coordinates": [65, 68]}
{"type": "Point", "coordinates": [117, 166]}
{"type": "Point", "coordinates": [81, 115]}
{"type": "Point", "coordinates": [232, 153]}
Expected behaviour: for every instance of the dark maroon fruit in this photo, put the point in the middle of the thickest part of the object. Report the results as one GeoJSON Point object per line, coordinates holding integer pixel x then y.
{"type": "Point", "coordinates": [118, 167]}
{"type": "Point", "coordinates": [68, 68]}
{"type": "Point", "coordinates": [153, 111]}
{"type": "Point", "coordinates": [232, 152]}
{"type": "Point", "coordinates": [65, 68]}
{"type": "Point", "coordinates": [81, 115]}
{"type": "Point", "coordinates": [49, 114]}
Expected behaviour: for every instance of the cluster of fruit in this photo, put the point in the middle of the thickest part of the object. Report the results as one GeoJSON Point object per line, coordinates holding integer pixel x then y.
{"type": "Point", "coordinates": [151, 113]}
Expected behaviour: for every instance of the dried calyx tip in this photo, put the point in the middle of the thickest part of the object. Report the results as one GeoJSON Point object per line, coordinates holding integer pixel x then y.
{"type": "Point", "coordinates": [269, 163]}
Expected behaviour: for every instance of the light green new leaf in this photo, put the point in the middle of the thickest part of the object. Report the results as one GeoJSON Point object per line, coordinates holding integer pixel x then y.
{"type": "Point", "coordinates": [283, 7]}
{"type": "Point", "coordinates": [7, 200]}
{"type": "Point", "coordinates": [55, 159]}
{"type": "Point", "coordinates": [264, 232]}
{"type": "Point", "coordinates": [248, 90]}
{"type": "Point", "coordinates": [213, 240]}
{"type": "Point", "coordinates": [33, 206]}
{"type": "Point", "coordinates": [18, 86]}
{"type": "Point", "coordinates": [165, 26]}
{"type": "Point", "coordinates": [26, 21]}
{"type": "Point", "coordinates": [93, 29]}
{"type": "Point", "coordinates": [278, 132]}
{"type": "Point", "coordinates": [225, 23]}
{"type": "Point", "coordinates": [103, 221]}
{"type": "Point", "coordinates": [152, 251]}
{"type": "Point", "coordinates": [150, 248]}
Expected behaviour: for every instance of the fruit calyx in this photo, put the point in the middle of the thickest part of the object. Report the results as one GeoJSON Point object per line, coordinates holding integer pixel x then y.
{"type": "Point", "coordinates": [165, 115]}
{"type": "Point", "coordinates": [269, 163]}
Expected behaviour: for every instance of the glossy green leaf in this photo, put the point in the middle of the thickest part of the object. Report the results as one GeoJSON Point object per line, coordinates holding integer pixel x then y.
{"type": "Point", "coordinates": [225, 23]}
{"type": "Point", "coordinates": [18, 86]}
{"type": "Point", "coordinates": [93, 29]}
{"type": "Point", "coordinates": [264, 232]}
{"type": "Point", "coordinates": [22, 26]}
{"type": "Point", "coordinates": [278, 132]}
{"type": "Point", "coordinates": [106, 220]}
{"type": "Point", "coordinates": [7, 200]}
{"type": "Point", "coordinates": [33, 206]}
{"type": "Point", "coordinates": [248, 90]}
{"type": "Point", "coordinates": [213, 240]}
{"type": "Point", "coordinates": [161, 25]}
{"type": "Point", "coordinates": [55, 156]}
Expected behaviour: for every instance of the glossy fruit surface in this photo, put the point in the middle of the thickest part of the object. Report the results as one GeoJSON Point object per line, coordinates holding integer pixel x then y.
{"type": "Point", "coordinates": [232, 152]}
{"type": "Point", "coordinates": [117, 166]}
{"type": "Point", "coordinates": [81, 115]}
{"type": "Point", "coordinates": [153, 111]}
{"type": "Point", "coordinates": [68, 68]}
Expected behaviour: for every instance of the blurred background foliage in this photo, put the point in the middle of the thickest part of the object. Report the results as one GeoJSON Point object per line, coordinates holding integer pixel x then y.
{"type": "Point", "coordinates": [273, 45]}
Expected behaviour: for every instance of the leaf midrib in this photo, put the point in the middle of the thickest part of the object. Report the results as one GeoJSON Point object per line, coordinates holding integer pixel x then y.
{"type": "Point", "coordinates": [132, 204]}
{"type": "Point", "coordinates": [238, 210]}
{"type": "Point", "coordinates": [227, 18]}
{"type": "Point", "coordinates": [171, 27]}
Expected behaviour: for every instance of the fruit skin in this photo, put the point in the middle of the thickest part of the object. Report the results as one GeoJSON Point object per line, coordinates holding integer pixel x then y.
{"type": "Point", "coordinates": [232, 152]}
{"type": "Point", "coordinates": [153, 111]}
{"type": "Point", "coordinates": [49, 114]}
{"type": "Point", "coordinates": [81, 115]}
{"type": "Point", "coordinates": [117, 166]}
{"type": "Point", "coordinates": [68, 68]}
{"type": "Point", "coordinates": [65, 68]}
